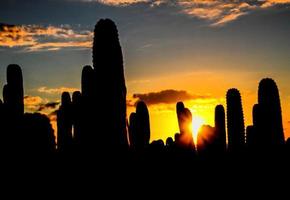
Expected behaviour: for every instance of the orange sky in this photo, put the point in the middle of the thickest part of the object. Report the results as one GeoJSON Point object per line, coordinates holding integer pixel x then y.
{"type": "Point", "coordinates": [212, 84]}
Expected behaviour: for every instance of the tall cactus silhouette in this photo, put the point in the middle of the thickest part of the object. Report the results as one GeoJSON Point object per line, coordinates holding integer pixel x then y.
{"type": "Point", "coordinates": [13, 108]}
{"type": "Point", "coordinates": [139, 128]}
{"type": "Point", "coordinates": [76, 117]}
{"type": "Point", "coordinates": [88, 138]}
{"type": "Point", "coordinates": [110, 85]}
{"type": "Point", "coordinates": [235, 121]}
{"type": "Point", "coordinates": [64, 124]}
{"type": "Point", "coordinates": [220, 129]}
{"type": "Point", "coordinates": [270, 115]}
{"type": "Point", "coordinates": [13, 91]}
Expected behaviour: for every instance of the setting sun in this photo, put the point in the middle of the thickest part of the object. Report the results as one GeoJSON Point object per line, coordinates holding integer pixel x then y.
{"type": "Point", "coordinates": [197, 122]}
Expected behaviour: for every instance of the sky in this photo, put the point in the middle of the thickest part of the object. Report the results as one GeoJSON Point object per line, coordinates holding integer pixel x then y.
{"type": "Point", "coordinates": [174, 50]}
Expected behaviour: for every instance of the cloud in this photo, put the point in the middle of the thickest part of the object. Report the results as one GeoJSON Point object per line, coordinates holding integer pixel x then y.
{"type": "Point", "coordinates": [217, 12]}
{"type": "Point", "coordinates": [121, 2]}
{"type": "Point", "coordinates": [49, 105]}
{"type": "Point", "coordinates": [166, 97]}
{"type": "Point", "coordinates": [38, 104]}
{"type": "Point", "coordinates": [114, 2]}
{"type": "Point", "coordinates": [56, 90]}
{"type": "Point", "coordinates": [38, 38]}
{"type": "Point", "coordinates": [32, 102]}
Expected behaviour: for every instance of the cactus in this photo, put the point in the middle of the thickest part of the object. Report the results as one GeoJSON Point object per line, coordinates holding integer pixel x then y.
{"type": "Point", "coordinates": [235, 121]}
{"type": "Point", "coordinates": [13, 108]}
{"type": "Point", "coordinates": [251, 137]}
{"type": "Point", "coordinates": [39, 138]}
{"type": "Point", "coordinates": [220, 129]}
{"type": "Point", "coordinates": [76, 117]}
{"type": "Point", "coordinates": [87, 82]}
{"type": "Point", "coordinates": [110, 85]}
{"type": "Point", "coordinates": [132, 128]}
{"type": "Point", "coordinates": [64, 124]}
{"type": "Point", "coordinates": [179, 110]}
{"type": "Point", "coordinates": [139, 129]}
{"type": "Point", "coordinates": [206, 142]}
{"type": "Point", "coordinates": [270, 126]}
{"type": "Point", "coordinates": [13, 91]}
{"type": "Point", "coordinates": [184, 116]}
{"type": "Point", "coordinates": [253, 133]}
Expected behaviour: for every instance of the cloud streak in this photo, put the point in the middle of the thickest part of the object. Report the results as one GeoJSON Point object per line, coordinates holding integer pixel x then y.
{"type": "Point", "coordinates": [166, 97]}
{"type": "Point", "coordinates": [38, 38]}
{"type": "Point", "coordinates": [56, 90]}
{"type": "Point", "coordinates": [217, 12]}
{"type": "Point", "coordinates": [38, 104]}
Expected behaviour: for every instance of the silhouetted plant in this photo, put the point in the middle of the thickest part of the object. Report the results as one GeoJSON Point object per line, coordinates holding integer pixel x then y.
{"type": "Point", "coordinates": [110, 84]}
{"type": "Point", "coordinates": [270, 127]}
{"type": "Point", "coordinates": [251, 137]}
{"type": "Point", "coordinates": [76, 117]}
{"type": "Point", "coordinates": [185, 139]}
{"type": "Point", "coordinates": [88, 84]}
{"type": "Point", "coordinates": [235, 121]}
{"type": "Point", "coordinates": [139, 129]}
{"type": "Point", "coordinates": [13, 91]}
{"type": "Point", "coordinates": [13, 109]}
{"type": "Point", "coordinates": [38, 137]}
{"type": "Point", "coordinates": [220, 129]}
{"type": "Point", "coordinates": [169, 142]}
{"type": "Point", "coordinates": [206, 142]}
{"type": "Point", "coordinates": [64, 124]}
{"type": "Point", "coordinates": [253, 133]}
{"type": "Point", "coordinates": [89, 138]}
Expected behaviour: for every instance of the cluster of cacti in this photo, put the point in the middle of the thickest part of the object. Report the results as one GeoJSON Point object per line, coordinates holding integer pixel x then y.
{"type": "Point", "coordinates": [184, 116]}
{"type": "Point", "coordinates": [235, 121]}
{"type": "Point", "coordinates": [267, 130]}
{"type": "Point", "coordinates": [95, 118]}
{"type": "Point", "coordinates": [98, 114]}
{"type": "Point", "coordinates": [22, 134]}
{"type": "Point", "coordinates": [139, 127]}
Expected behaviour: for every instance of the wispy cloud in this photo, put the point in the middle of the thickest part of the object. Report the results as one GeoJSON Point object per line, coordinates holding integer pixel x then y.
{"type": "Point", "coordinates": [217, 12]}
{"type": "Point", "coordinates": [58, 90]}
{"type": "Point", "coordinates": [37, 38]}
{"type": "Point", "coordinates": [115, 2]}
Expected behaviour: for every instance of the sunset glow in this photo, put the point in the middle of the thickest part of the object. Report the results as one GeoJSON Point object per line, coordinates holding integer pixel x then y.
{"type": "Point", "coordinates": [197, 122]}
{"type": "Point", "coordinates": [189, 51]}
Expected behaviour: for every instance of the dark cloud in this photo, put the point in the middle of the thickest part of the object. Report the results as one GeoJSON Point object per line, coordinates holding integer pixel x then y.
{"type": "Point", "coordinates": [167, 96]}
{"type": "Point", "coordinates": [49, 105]}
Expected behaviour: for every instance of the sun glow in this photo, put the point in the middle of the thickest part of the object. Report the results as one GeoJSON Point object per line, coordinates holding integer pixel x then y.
{"type": "Point", "coordinates": [197, 122]}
